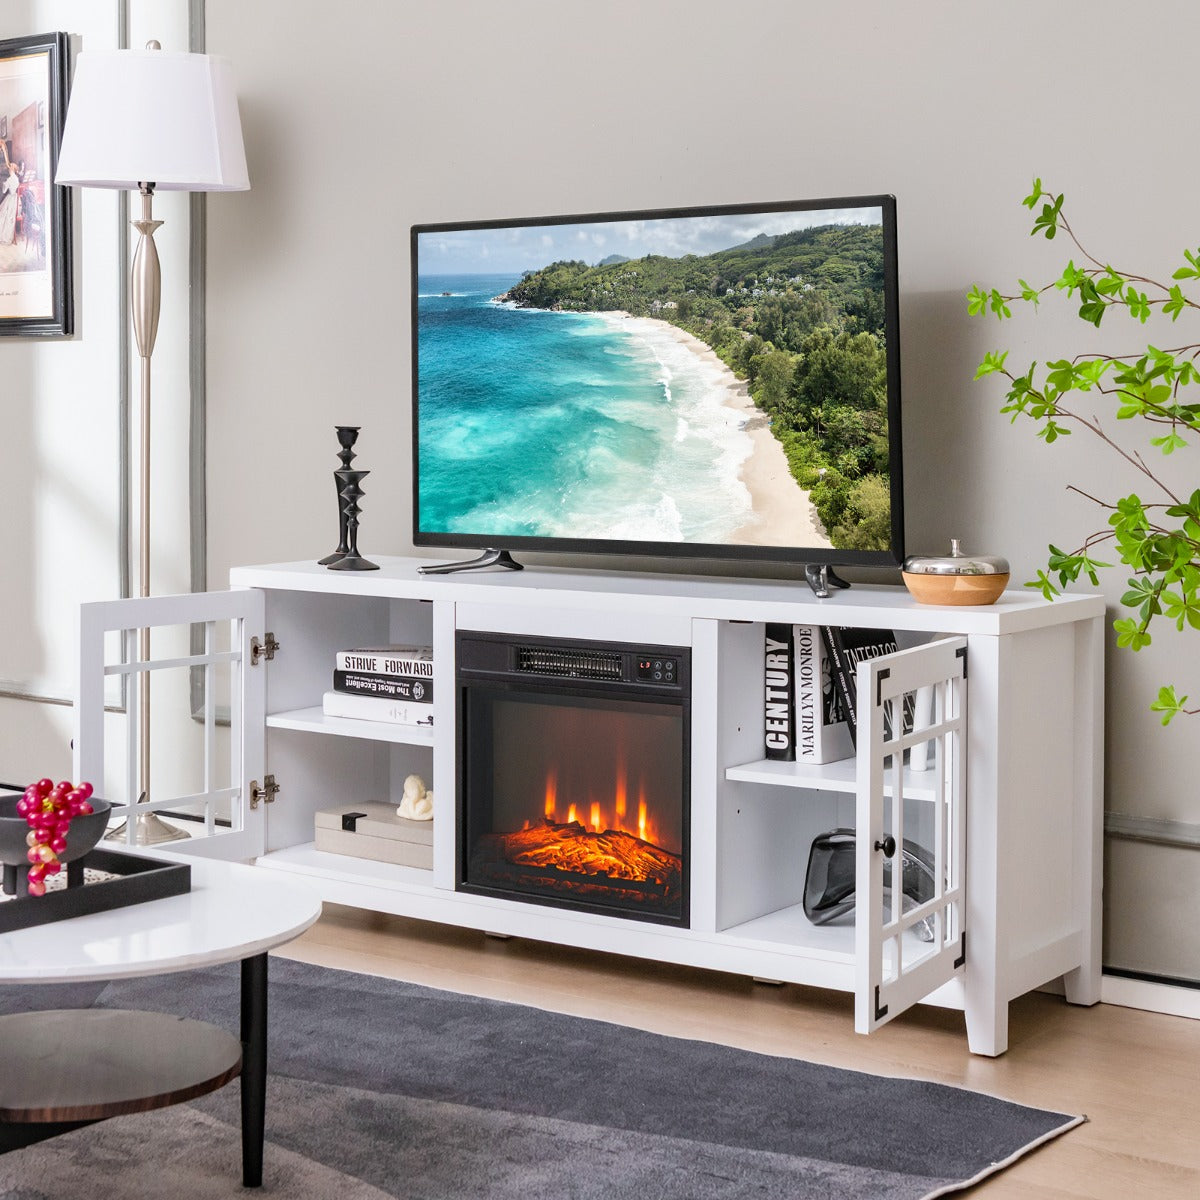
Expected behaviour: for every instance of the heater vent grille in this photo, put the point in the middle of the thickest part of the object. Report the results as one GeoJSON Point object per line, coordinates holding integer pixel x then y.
{"type": "Point", "coordinates": [577, 664]}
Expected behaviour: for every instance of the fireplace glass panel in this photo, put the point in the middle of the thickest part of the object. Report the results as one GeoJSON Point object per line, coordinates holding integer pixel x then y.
{"type": "Point", "coordinates": [578, 801]}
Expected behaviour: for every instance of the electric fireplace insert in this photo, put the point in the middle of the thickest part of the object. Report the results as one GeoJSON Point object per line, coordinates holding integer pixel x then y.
{"type": "Point", "coordinates": [573, 774]}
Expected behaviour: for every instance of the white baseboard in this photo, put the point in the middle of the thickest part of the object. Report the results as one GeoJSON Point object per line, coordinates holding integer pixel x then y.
{"type": "Point", "coordinates": [1153, 997]}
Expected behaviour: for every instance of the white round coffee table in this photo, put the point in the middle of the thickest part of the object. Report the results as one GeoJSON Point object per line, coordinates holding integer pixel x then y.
{"type": "Point", "coordinates": [106, 1062]}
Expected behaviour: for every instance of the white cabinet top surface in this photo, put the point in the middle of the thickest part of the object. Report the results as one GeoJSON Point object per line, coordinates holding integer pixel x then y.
{"type": "Point", "coordinates": [713, 596]}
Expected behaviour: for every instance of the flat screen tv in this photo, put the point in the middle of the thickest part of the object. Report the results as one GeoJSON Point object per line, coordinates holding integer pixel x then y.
{"type": "Point", "coordinates": [709, 383]}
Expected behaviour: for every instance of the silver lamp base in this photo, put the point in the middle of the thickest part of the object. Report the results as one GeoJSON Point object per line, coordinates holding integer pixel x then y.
{"type": "Point", "coordinates": [149, 829]}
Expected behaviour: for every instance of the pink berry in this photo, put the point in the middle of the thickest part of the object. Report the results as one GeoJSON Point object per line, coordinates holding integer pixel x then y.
{"type": "Point", "coordinates": [53, 868]}
{"type": "Point", "coordinates": [37, 887]}
{"type": "Point", "coordinates": [87, 790]}
{"type": "Point", "coordinates": [33, 855]}
{"type": "Point", "coordinates": [58, 845]}
{"type": "Point", "coordinates": [23, 807]}
{"type": "Point", "coordinates": [85, 808]}
{"type": "Point", "coordinates": [43, 787]}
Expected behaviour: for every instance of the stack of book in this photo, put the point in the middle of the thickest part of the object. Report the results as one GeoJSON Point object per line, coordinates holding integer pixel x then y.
{"type": "Point", "coordinates": [383, 683]}
{"type": "Point", "coordinates": [804, 718]}
{"type": "Point", "coordinates": [810, 689]}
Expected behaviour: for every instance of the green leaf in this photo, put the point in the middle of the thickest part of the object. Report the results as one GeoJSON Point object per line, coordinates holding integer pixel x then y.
{"type": "Point", "coordinates": [1071, 279]}
{"type": "Point", "coordinates": [1176, 304]}
{"type": "Point", "coordinates": [1035, 195]}
{"type": "Point", "coordinates": [1191, 508]}
{"type": "Point", "coordinates": [1029, 294]}
{"type": "Point", "coordinates": [1183, 606]}
{"type": "Point", "coordinates": [1169, 442]}
{"type": "Point", "coordinates": [1068, 567]}
{"type": "Point", "coordinates": [1044, 584]}
{"type": "Point", "coordinates": [1168, 704]}
{"type": "Point", "coordinates": [1137, 303]}
{"type": "Point", "coordinates": [993, 363]}
{"type": "Point", "coordinates": [1130, 634]}
{"type": "Point", "coordinates": [1193, 270]}
{"type": "Point", "coordinates": [980, 300]}
{"type": "Point", "coordinates": [1046, 222]}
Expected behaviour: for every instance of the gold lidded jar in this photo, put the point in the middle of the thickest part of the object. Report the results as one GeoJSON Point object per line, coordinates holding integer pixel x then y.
{"type": "Point", "coordinates": [955, 578]}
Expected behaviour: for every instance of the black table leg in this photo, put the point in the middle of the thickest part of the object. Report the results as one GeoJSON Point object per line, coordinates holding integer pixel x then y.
{"type": "Point", "coordinates": [254, 1067]}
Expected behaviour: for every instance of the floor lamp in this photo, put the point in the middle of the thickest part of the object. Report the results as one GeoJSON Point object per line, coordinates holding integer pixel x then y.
{"type": "Point", "coordinates": [151, 120]}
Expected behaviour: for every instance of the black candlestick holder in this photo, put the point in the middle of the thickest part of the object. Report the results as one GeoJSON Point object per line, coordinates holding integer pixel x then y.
{"type": "Point", "coordinates": [347, 435]}
{"type": "Point", "coordinates": [350, 494]}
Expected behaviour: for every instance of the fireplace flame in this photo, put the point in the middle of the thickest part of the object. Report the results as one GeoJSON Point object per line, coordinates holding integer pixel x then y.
{"type": "Point", "coordinates": [603, 816]}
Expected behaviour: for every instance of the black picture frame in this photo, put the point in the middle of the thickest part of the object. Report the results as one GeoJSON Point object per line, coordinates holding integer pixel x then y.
{"type": "Point", "coordinates": [36, 262]}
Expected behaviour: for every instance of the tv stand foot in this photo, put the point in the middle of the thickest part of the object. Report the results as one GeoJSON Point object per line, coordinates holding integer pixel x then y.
{"type": "Point", "coordinates": [821, 577]}
{"type": "Point", "coordinates": [489, 558]}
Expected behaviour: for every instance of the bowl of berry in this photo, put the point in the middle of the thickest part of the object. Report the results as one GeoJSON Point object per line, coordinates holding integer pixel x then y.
{"type": "Point", "coordinates": [45, 828]}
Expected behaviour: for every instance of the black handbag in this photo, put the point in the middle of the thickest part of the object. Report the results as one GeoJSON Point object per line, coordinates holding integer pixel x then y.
{"type": "Point", "coordinates": [829, 883]}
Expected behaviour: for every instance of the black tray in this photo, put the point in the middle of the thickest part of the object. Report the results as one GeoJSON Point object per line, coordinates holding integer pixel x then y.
{"type": "Point", "coordinates": [140, 879]}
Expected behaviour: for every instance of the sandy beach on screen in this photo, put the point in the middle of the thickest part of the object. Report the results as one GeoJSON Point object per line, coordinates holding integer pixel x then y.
{"type": "Point", "coordinates": [784, 514]}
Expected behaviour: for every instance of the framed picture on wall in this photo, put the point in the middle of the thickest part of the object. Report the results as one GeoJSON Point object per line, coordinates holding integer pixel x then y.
{"type": "Point", "coordinates": [35, 216]}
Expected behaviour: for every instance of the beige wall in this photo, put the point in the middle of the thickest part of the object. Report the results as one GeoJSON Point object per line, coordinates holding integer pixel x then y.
{"type": "Point", "coordinates": [367, 117]}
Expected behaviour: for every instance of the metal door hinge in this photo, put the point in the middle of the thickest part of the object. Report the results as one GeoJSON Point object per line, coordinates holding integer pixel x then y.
{"type": "Point", "coordinates": [266, 793]}
{"type": "Point", "coordinates": [264, 649]}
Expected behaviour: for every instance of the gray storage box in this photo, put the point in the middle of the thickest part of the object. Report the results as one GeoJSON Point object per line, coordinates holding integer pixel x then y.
{"type": "Point", "coordinates": [375, 831]}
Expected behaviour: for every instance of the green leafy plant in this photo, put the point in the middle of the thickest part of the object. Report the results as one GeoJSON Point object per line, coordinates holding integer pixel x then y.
{"type": "Point", "coordinates": [1156, 537]}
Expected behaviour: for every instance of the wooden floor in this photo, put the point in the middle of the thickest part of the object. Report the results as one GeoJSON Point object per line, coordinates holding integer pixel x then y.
{"type": "Point", "coordinates": [1136, 1075]}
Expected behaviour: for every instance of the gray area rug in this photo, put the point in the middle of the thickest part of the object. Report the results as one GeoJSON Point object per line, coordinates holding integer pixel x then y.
{"type": "Point", "coordinates": [387, 1089]}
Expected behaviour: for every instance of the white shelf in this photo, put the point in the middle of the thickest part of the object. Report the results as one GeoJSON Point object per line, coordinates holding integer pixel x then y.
{"type": "Point", "coordinates": [314, 720]}
{"type": "Point", "coordinates": [306, 859]}
{"type": "Point", "coordinates": [790, 929]}
{"type": "Point", "coordinates": [838, 776]}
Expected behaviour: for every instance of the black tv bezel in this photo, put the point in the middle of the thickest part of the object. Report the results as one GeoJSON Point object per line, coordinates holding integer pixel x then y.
{"type": "Point", "coordinates": [717, 552]}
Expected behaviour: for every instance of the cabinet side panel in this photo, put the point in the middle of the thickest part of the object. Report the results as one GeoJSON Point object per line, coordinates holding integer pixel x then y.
{"type": "Point", "coordinates": [1039, 854]}
{"type": "Point", "coordinates": [707, 773]}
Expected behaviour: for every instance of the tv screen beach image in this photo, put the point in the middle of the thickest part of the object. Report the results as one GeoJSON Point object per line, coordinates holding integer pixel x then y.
{"type": "Point", "coordinates": [714, 380]}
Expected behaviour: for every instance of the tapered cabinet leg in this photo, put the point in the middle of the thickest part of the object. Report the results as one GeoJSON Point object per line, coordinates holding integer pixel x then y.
{"type": "Point", "coordinates": [254, 1067]}
{"type": "Point", "coordinates": [987, 1020]}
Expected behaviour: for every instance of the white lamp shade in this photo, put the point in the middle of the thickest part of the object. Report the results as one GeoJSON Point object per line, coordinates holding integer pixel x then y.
{"type": "Point", "coordinates": [153, 116]}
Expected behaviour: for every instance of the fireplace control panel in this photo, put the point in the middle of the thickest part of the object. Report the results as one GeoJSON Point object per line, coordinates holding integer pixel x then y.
{"type": "Point", "coordinates": [664, 669]}
{"type": "Point", "coordinates": [653, 668]}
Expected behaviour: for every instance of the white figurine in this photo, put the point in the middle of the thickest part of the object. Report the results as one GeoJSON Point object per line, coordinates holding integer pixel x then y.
{"type": "Point", "coordinates": [417, 802]}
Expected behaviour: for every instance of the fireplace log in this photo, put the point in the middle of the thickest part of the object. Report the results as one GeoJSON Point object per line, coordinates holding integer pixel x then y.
{"type": "Point", "coordinates": [575, 861]}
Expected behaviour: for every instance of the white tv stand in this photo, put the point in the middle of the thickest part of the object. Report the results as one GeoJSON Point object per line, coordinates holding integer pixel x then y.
{"type": "Point", "coordinates": [1030, 746]}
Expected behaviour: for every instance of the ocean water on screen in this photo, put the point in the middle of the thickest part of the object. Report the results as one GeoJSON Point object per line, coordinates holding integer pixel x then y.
{"type": "Point", "coordinates": [545, 424]}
